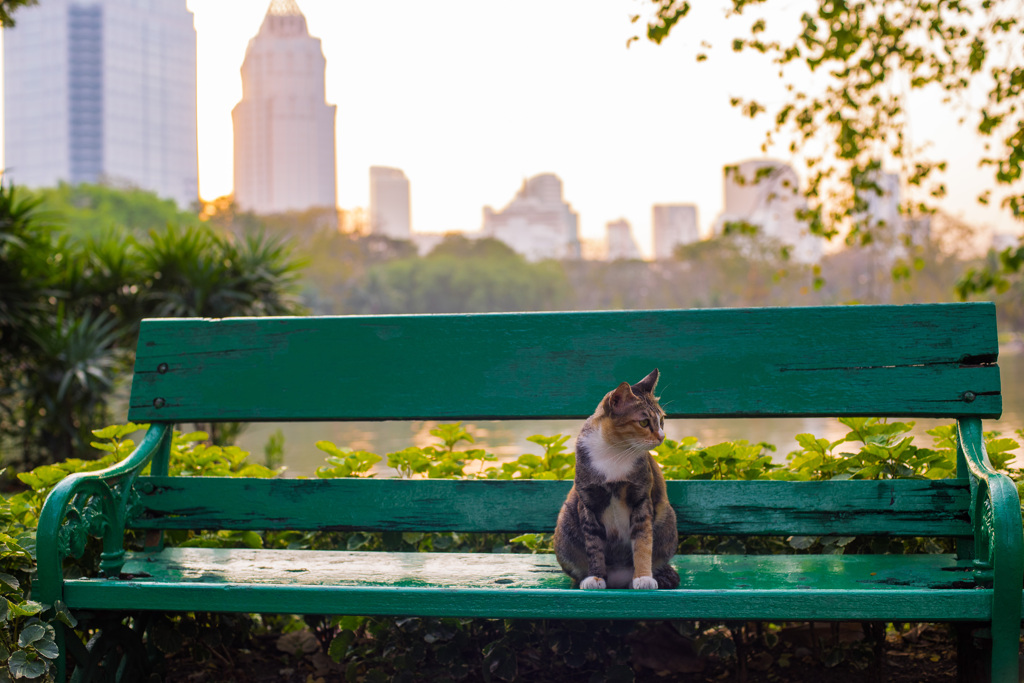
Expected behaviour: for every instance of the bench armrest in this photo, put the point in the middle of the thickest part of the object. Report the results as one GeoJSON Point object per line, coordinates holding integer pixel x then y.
{"type": "Point", "coordinates": [88, 504]}
{"type": "Point", "coordinates": [998, 535]}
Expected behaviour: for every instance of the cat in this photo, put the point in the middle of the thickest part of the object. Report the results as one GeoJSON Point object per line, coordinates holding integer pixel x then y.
{"type": "Point", "coordinates": [616, 528]}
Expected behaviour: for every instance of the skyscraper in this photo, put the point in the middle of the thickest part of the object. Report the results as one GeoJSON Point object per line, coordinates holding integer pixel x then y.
{"type": "Point", "coordinates": [538, 223]}
{"type": "Point", "coordinates": [620, 242]}
{"type": "Point", "coordinates": [766, 193]}
{"type": "Point", "coordinates": [284, 128]}
{"type": "Point", "coordinates": [674, 224]}
{"type": "Point", "coordinates": [389, 203]}
{"type": "Point", "coordinates": [103, 90]}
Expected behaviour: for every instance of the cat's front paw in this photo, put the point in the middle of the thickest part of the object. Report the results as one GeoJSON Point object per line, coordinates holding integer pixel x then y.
{"type": "Point", "coordinates": [595, 583]}
{"type": "Point", "coordinates": [644, 583]}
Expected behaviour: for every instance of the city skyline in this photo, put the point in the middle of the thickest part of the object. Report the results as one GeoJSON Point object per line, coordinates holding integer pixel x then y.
{"type": "Point", "coordinates": [468, 112]}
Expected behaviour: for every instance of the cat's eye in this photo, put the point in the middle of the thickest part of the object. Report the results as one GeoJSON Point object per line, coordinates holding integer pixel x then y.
{"type": "Point", "coordinates": [644, 423]}
{"type": "Point", "coordinates": [662, 420]}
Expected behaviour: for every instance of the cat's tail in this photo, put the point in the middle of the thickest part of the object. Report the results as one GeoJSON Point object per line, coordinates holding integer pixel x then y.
{"type": "Point", "coordinates": [666, 576]}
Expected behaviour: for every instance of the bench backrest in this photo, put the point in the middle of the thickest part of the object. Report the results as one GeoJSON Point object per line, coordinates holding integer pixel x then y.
{"type": "Point", "coordinates": [906, 361]}
{"type": "Point", "coordinates": [927, 360]}
{"type": "Point", "coordinates": [905, 507]}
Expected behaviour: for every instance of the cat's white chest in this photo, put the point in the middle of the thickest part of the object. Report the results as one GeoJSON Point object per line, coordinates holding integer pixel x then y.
{"type": "Point", "coordinates": [611, 463]}
{"type": "Point", "coordinates": [615, 519]}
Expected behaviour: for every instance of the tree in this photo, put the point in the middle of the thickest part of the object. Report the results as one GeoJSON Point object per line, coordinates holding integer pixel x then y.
{"type": "Point", "coordinates": [70, 306]}
{"type": "Point", "coordinates": [461, 276]}
{"type": "Point", "coordinates": [870, 55]}
{"type": "Point", "coordinates": [92, 209]}
{"type": "Point", "coordinates": [7, 8]}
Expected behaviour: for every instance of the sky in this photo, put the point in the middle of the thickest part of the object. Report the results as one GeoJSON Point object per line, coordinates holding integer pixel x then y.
{"type": "Point", "coordinates": [469, 97]}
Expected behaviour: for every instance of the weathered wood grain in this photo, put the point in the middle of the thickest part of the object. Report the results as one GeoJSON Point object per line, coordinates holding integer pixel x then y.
{"type": "Point", "coordinates": [927, 360]}
{"type": "Point", "coordinates": [780, 587]}
{"type": "Point", "coordinates": [884, 508]}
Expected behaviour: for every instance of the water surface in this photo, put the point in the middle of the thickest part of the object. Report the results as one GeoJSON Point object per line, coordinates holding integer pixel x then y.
{"type": "Point", "coordinates": [507, 439]}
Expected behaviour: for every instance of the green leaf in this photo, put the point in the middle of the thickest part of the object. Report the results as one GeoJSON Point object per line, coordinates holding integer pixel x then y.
{"type": "Point", "coordinates": [47, 647]}
{"type": "Point", "coordinates": [251, 539]}
{"type": "Point", "coordinates": [347, 622]}
{"type": "Point", "coordinates": [357, 541]}
{"type": "Point", "coordinates": [63, 615]}
{"type": "Point", "coordinates": [30, 634]}
{"type": "Point", "coordinates": [106, 433]}
{"type": "Point", "coordinates": [31, 480]}
{"type": "Point", "coordinates": [412, 537]}
{"type": "Point", "coordinates": [120, 431]}
{"type": "Point", "coordinates": [802, 542]}
{"type": "Point", "coordinates": [1000, 445]}
{"type": "Point", "coordinates": [328, 447]}
{"type": "Point", "coordinates": [500, 663]}
{"type": "Point", "coordinates": [340, 644]}
{"type": "Point", "coordinates": [8, 583]}
{"type": "Point", "coordinates": [22, 666]}
{"type": "Point", "coordinates": [26, 608]}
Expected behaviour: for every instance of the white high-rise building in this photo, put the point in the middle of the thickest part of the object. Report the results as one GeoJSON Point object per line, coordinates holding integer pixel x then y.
{"type": "Point", "coordinates": [883, 209]}
{"type": "Point", "coordinates": [537, 223]}
{"type": "Point", "coordinates": [390, 214]}
{"type": "Point", "coordinates": [103, 91]}
{"type": "Point", "coordinates": [674, 224]}
{"type": "Point", "coordinates": [766, 193]}
{"type": "Point", "coordinates": [284, 128]}
{"type": "Point", "coordinates": [620, 242]}
{"type": "Point", "coordinates": [893, 233]}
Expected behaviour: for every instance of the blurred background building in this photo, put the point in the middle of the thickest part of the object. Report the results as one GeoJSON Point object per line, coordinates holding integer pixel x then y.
{"type": "Point", "coordinates": [390, 213]}
{"type": "Point", "coordinates": [673, 224]}
{"type": "Point", "coordinates": [538, 223]}
{"type": "Point", "coordinates": [619, 238]}
{"type": "Point", "coordinates": [766, 193]}
{"type": "Point", "coordinates": [283, 126]}
{"type": "Point", "coordinates": [103, 91]}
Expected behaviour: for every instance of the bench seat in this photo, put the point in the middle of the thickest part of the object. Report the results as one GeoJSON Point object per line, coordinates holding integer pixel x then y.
{"type": "Point", "coordinates": [776, 587]}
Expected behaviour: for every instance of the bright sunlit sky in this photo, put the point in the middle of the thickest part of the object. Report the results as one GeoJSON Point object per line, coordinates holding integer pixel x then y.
{"type": "Point", "coordinates": [469, 97]}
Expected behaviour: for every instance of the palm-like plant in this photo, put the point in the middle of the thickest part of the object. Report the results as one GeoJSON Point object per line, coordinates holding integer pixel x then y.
{"type": "Point", "coordinates": [25, 279]}
{"type": "Point", "coordinates": [73, 377]}
{"type": "Point", "coordinates": [70, 305]}
{"type": "Point", "coordinates": [196, 272]}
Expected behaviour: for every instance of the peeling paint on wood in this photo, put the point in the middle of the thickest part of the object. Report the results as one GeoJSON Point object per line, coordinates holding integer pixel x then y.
{"type": "Point", "coordinates": [846, 360]}
{"type": "Point", "coordinates": [767, 508]}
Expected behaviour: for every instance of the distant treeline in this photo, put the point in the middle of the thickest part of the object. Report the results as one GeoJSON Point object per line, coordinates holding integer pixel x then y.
{"type": "Point", "coordinates": [352, 272]}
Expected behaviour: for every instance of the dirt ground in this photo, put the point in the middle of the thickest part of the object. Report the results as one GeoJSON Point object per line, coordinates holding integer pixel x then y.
{"type": "Point", "coordinates": [840, 653]}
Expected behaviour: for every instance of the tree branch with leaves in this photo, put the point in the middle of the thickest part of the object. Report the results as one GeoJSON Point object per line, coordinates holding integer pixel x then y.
{"type": "Point", "coordinates": [848, 69]}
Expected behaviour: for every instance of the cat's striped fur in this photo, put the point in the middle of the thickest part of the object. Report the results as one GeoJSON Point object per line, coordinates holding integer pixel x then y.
{"type": "Point", "coordinates": [616, 528]}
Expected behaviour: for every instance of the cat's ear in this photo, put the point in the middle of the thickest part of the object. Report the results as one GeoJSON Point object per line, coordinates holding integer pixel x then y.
{"type": "Point", "coordinates": [618, 399]}
{"type": "Point", "coordinates": [647, 384]}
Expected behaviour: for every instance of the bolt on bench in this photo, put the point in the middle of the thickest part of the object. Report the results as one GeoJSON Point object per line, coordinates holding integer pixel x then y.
{"type": "Point", "coordinates": [899, 361]}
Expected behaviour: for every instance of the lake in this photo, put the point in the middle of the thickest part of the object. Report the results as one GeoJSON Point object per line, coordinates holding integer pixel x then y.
{"type": "Point", "coordinates": [507, 439]}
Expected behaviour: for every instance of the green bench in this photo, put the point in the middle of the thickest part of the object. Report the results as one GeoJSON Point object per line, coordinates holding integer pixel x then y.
{"type": "Point", "coordinates": [900, 361]}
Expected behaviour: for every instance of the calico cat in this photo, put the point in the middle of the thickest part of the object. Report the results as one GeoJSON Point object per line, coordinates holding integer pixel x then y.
{"type": "Point", "coordinates": [616, 528]}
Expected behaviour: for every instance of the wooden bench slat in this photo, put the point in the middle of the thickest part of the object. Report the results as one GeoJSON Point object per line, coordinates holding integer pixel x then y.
{"type": "Point", "coordinates": [901, 361]}
{"type": "Point", "coordinates": [779, 587]}
{"type": "Point", "coordinates": [886, 508]}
